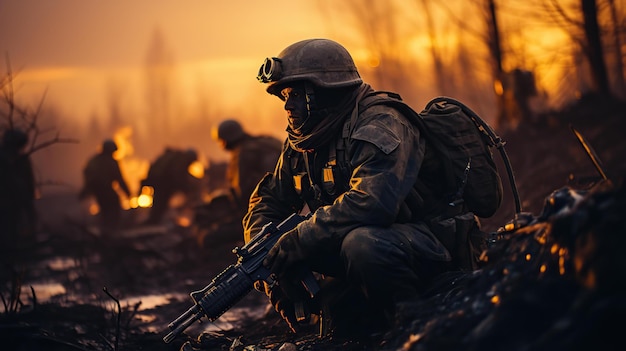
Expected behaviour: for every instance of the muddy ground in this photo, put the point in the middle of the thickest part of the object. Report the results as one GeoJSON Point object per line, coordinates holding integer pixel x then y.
{"type": "Point", "coordinates": [80, 290]}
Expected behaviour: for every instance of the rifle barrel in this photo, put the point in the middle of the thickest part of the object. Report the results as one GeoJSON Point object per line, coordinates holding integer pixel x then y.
{"type": "Point", "coordinates": [183, 322]}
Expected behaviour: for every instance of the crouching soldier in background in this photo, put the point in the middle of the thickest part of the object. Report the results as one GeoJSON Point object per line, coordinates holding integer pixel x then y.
{"type": "Point", "coordinates": [251, 157]}
{"type": "Point", "coordinates": [170, 175]}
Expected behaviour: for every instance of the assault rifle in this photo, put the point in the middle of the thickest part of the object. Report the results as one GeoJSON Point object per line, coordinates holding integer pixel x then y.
{"type": "Point", "coordinates": [237, 280]}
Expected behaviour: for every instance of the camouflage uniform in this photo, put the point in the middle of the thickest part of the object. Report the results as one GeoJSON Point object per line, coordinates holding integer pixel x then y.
{"type": "Point", "coordinates": [365, 230]}
{"type": "Point", "coordinates": [357, 221]}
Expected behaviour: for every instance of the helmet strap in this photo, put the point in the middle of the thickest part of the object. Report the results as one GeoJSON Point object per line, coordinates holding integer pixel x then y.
{"type": "Point", "coordinates": [311, 102]}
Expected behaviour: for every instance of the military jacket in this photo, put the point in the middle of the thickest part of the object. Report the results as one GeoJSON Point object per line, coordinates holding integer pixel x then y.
{"type": "Point", "coordinates": [101, 172]}
{"type": "Point", "coordinates": [251, 159]}
{"type": "Point", "coordinates": [383, 153]}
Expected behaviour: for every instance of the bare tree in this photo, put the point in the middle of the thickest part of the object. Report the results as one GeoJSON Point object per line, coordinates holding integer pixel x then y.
{"type": "Point", "coordinates": [381, 27]}
{"type": "Point", "coordinates": [495, 50]}
{"type": "Point", "coordinates": [588, 34]}
{"type": "Point", "coordinates": [22, 134]}
{"type": "Point", "coordinates": [14, 115]}
{"type": "Point", "coordinates": [441, 78]}
{"type": "Point", "coordinates": [617, 47]}
{"type": "Point", "coordinates": [593, 48]}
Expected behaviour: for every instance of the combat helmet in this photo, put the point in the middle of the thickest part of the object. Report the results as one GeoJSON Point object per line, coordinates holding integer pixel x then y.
{"type": "Point", "coordinates": [191, 155]}
{"type": "Point", "coordinates": [322, 62]}
{"type": "Point", "coordinates": [228, 132]}
{"type": "Point", "coordinates": [109, 146]}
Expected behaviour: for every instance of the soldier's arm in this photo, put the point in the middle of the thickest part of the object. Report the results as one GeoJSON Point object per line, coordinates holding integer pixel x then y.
{"type": "Point", "coordinates": [120, 180]}
{"type": "Point", "coordinates": [273, 199]}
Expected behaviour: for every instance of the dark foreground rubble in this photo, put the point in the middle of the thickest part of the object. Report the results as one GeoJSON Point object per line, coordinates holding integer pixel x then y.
{"type": "Point", "coordinates": [558, 282]}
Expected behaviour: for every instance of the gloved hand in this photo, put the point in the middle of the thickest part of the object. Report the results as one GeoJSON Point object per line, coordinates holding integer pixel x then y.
{"type": "Point", "coordinates": [285, 260]}
{"type": "Point", "coordinates": [287, 256]}
{"type": "Point", "coordinates": [261, 286]}
{"type": "Point", "coordinates": [284, 306]}
{"type": "Point", "coordinates": [291, 301]}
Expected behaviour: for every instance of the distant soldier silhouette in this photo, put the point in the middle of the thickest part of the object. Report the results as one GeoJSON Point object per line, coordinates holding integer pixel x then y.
{"type": "Point", "coordinates": [18, 217]}
{"type": "Point", "coordinates": [169, 175]}
{"type": "Point", "coordinates": [101, 175]}
{"type": "Point", "coordinates": [251, 157]}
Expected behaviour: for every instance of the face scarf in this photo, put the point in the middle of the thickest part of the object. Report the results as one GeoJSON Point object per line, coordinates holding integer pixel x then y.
{"type": "Point", "coordinates": [324, 124]}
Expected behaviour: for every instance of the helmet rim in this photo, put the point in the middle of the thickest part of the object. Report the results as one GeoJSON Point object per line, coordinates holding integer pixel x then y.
{"type": "Point", "coordinates": [322, 62]}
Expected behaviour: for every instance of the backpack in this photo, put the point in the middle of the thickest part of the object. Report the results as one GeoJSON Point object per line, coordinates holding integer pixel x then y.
{"type": "Point", "coordinates": [465, 150]}
{"type": "Point", "coordinates": [463, 142]}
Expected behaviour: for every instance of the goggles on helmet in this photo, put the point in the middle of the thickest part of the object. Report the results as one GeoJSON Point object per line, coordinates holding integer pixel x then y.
{"type": "Point", "coordinates": [270, 71]}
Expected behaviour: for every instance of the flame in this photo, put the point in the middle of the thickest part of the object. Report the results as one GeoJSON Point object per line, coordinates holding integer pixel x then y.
{"type": "Point", "coordinates": [145, 198]}
{"type": "Point", "coordinates": [133, 169]}
{"type": "Point", "coordinates": [196, 169]}
{"type": "Point", "coordinates": [183, 221]}
{"type": "Point", "coordinates": [497, 87]}
{"type": "Point", "coordinates": [122, 140]}
{"type": "Point", "coordinates": [94, 209]}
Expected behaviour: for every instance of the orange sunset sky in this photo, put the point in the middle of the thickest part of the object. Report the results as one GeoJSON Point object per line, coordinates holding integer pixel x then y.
{"type": "Point", "coordinates": [77, 52]}
{"type": "Point", "coordinates": [83, 54]}
{"type": "Point", "coordinates": [76, 49]}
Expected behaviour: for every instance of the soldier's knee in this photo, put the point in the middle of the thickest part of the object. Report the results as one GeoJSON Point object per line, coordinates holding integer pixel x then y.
{"type": "Point", "coordinates": [360, 248]}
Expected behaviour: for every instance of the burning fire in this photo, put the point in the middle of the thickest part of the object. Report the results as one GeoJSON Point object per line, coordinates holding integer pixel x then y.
{"type": "Point", "coordinates": [144, 199]}
{"type": "Point", "coordinates": [134, 170]}
{"type": "Point", "coordinates": [196, 169]}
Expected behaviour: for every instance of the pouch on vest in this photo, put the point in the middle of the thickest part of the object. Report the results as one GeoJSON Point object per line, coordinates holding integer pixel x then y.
{"type": "Point", "coordinates": [462, 238]}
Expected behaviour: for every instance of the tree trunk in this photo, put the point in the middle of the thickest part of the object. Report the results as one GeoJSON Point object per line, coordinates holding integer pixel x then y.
{"type": "Point", "coordinates": [617, 43]}
{"type": "Point", "coordinates": [593, 48]}
{"type": "Point", "coordinates": [440, 78]}
{"type": "Point", "coordinates": [495, 49]}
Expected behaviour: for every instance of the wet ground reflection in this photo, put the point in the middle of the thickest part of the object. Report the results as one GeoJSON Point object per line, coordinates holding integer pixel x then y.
{"type": "Point", "coordinates": [44, 291]}
{"type": "Point", "coordinates": [147, 272]}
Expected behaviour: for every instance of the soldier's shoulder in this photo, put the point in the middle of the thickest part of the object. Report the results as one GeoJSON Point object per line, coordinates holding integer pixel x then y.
{"type": "Point", "coordinates": [265, 141]}
{"type": "Point", "coordinates": [380, 125]}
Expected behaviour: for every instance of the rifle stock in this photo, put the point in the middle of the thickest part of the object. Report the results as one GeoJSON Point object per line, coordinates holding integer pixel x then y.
{"type": "Point", "coordinates": [237, 280]}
